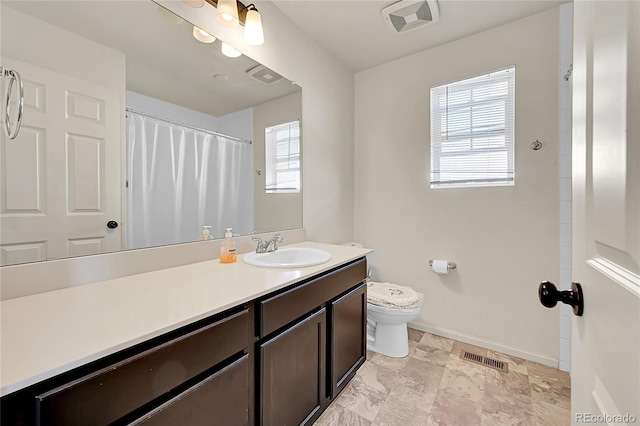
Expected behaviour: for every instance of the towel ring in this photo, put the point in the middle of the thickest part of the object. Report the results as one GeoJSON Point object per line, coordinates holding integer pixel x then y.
{"type": "Point", "coordinates": [14, 77]}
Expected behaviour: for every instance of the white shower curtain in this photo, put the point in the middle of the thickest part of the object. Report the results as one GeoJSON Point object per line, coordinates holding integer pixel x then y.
{"type": "Point", "coordinates": [180, 179]}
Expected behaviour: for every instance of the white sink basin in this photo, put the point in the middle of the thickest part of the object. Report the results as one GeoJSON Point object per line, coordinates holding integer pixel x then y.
{"type": "Point", "coordinates": [295, 257]}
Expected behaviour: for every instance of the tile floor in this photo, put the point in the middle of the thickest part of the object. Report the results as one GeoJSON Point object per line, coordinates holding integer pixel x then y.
{"type": "Point", "coordinates": [433, 386]}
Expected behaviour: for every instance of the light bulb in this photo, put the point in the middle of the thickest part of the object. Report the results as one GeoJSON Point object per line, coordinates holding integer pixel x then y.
{"type": "Point", "coordinates": [253, 28]}
{"type": "Point", "coordinates": [230, 51]}
{"type": "Point", "coordinates": [228, 13]}
{"type": "Point", "coordinates": [202, 36]}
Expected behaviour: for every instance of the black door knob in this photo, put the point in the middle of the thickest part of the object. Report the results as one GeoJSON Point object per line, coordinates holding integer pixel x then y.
{"type": "Point", "coordinates": [549, 296]}
{"type": "Point", "coordinates": [112, 224]}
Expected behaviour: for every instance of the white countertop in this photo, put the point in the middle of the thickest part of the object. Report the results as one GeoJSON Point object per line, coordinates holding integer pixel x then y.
{"type": "Point", "coordinates": [49, 333]}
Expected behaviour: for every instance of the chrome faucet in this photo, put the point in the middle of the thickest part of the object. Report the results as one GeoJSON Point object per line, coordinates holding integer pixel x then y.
{"type": "Point", "coordinates": [277, 238]}
{"type": "Point", "coordinates": [269, 245]}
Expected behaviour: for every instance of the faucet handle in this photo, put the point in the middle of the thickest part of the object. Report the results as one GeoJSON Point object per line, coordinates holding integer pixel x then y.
{"type": "Point", "coordinates": [260, 248]}
{"type": "Point", "coordinates": [277, 238]}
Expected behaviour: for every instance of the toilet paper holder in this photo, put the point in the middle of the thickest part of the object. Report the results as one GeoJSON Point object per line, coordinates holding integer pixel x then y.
{"type": "Point", "coordinates": [450, 265]}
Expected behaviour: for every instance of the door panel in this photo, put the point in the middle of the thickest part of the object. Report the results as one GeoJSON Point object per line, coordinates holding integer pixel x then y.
{"type": "Point", "coordinates": [85, 158]}
{"type": "Point", "coordinates": [61, 176]}
{"type": "Point", "coordinates": [24, 177]}
{"type": "Point", "coordinates": [606, 210]}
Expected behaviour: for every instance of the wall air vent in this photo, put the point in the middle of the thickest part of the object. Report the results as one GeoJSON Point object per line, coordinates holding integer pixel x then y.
{"type": "Point", "coordinates": [409, 15]}
{"type": "Point", "coordinates": [264, 75]}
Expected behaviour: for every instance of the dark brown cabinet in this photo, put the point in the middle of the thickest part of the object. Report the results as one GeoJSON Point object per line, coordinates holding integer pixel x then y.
{"type": "Point", "coordinates": [202, 367]}
{"type": "Point", "coordinates": [348, 344]}
{"type": "Point", "coordinates": [112, 392]}
{"type": "Point", "coordinates": [277, 360]}
{"type": "Point", "coordinates": [312, 340]}
{"type": "Point", "coordinates": [292, 379]}
{"type": "Point", "coordinates": [220, 399]}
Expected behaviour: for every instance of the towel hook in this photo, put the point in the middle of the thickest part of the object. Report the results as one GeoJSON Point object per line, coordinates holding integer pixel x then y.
{"type": "Point", "coordinates": [536, 145]}
{"type": "Point", "coordinates": [14, 77]}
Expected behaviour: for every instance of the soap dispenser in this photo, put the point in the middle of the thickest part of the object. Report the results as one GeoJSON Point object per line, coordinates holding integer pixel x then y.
{"type": "Point", "coordinates": [206, 235]}
{"type": "Point", "coordinates": [228, 249]}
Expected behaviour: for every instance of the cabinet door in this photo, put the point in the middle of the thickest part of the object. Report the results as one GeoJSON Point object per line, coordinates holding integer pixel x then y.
{"type": "Point", "coordinates": [220, 399]}
{"type": "Point", "coordinates": [347, 347]}
{"type": "Point", "coordinates": [292, 373]}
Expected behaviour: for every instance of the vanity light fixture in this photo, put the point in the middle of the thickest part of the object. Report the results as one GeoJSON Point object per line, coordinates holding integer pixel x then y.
{"type": "Point", "coordinates": [202, 35]}
{"type": "Point", "coordinates": [228, 13]}
{"type": "Point", "coordinates": [232, 13]}
{"type": "Point", "coordinates": [230, 51]}
{"type": "Point", "coordinates": [253, 27]}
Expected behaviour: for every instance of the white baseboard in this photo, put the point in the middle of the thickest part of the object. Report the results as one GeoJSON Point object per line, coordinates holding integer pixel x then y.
{"type": "Point", "coordinates": [472, 340]}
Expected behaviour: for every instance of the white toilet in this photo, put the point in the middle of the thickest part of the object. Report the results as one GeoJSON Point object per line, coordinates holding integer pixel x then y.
{"type": "Point", "coordinates": [389, 308]}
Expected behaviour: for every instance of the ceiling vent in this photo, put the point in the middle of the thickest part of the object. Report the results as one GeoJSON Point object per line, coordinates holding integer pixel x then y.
{"type": "Point", "coordinates": [409, 15]}
{"type": "Point", "coordinates": [264, 75]}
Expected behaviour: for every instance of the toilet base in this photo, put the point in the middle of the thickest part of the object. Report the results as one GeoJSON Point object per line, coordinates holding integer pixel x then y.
{"type": "Point", "coordinates": [389, 340]}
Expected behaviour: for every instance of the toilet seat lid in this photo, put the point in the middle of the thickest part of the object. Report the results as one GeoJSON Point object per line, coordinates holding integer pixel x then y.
{"type": "Point", "coordinates": [392, 295]}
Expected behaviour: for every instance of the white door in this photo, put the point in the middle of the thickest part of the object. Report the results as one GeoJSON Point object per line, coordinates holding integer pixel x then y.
{"type": "Point", "coordinates": [60, 178]}
{"type": "Point", "coordinates": [605, 362]}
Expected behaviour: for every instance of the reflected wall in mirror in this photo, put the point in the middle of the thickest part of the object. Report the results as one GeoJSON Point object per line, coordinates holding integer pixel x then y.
{"type": "Point", "coordinates": [135, 134]}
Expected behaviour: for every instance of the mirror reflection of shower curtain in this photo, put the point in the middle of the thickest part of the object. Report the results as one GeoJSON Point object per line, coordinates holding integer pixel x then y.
{"type": "Point", "coordinates": [180, 179]}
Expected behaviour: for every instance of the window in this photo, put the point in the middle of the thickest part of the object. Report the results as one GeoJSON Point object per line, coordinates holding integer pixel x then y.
{"type": "Point", "coordinates": [282, 154]}
{"type": "Point", "coordinates": [472, 131]}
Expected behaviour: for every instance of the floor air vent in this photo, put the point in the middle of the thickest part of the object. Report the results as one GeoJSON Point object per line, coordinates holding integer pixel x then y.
{"type": "Point", "coordinates": [483, 360]}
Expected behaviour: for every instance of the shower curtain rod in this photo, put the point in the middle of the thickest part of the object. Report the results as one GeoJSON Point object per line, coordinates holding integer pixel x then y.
{"type": "Point", "coordinates": [166, 120]}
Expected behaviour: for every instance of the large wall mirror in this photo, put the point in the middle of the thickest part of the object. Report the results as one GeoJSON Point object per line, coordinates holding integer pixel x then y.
{"type": "Point", "coordinates": [138, 132]}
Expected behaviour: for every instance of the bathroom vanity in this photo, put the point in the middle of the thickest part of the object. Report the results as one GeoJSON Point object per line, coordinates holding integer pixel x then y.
{"type": "Point", "coordinates": [279, 355]}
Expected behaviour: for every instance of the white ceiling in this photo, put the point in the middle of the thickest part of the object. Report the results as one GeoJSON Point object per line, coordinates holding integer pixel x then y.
{"type": "Point", "coordinates": [355, 32]}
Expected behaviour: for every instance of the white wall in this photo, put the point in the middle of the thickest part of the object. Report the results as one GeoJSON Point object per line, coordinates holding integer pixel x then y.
{"type": "Point", "coordinates": [238, 124]}
{"type": "Point", "coordinates": [277, 211]}
{"type": "Point", "coordinates": [327, 106]}
{"type": "Point", "coordinates": [46, 44]}
{"type": "Point", "coordinates": [180, 114]}
{"type": "Point", "coordinates": [504, 239]}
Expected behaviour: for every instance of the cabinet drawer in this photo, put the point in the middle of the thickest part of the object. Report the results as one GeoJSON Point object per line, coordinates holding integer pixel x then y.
{"type": "Point", "coordinates": [220, 399]}
{"type": "Point", "coordinates": [110, 393]}
{"type": "Point", "coordinates": [277, 311]}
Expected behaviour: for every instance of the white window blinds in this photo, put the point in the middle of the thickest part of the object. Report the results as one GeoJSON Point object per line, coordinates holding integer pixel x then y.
{"type": "Point", "coordinates": [472, 131]}
{"type": "Point", "coordinates": [282, 158]}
